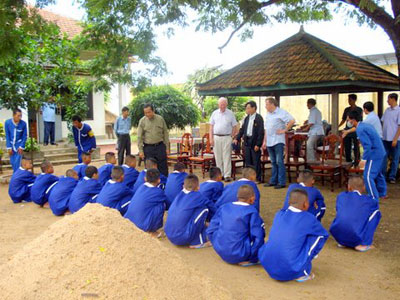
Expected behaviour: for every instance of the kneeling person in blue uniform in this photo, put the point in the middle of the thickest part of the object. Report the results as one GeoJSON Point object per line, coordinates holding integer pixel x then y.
{"type": "Point", "coordinates": [147, 206]}
{"type": "Point", "coordinates": [21, 182]}
{"type": "Point", "coordinates": [316, 202]}
{"type": "Point", "coordinates": [150, 163]}
{"type": "Point", "coordinates": [130, 172]}
{"type": "Point", "coordinates": [115, 193]}
{"type": "Point", "coordinates": [213, 188]}
{"type": "Point", "coordinates": [59, 193]}
{"type": "Point", "coordinates": [357, 217]}
{"type": "Point", "coordinates": [81, 167]}
{"type": "Point", "coordinates": [230, 191]}
{"type": "Point", "coordinates": [237, 230]}
{"type": "Point", "coordinates": [186, 221]}
{"type": "Point", "coordinates": [86, 190]}
{"type": "Point", "coordinates": [295, 239]}
{"type": "Point", "coordinates": [42, 183]}
{"type": "Point", "coordinates": [105, 170]}
{"type": "Point", "coordinates": [175, 182]}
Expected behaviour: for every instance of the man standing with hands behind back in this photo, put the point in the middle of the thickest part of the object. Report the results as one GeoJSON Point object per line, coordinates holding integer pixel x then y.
{"type": "Point", "coordinates": [252, 132]}
{"type": "Point", "coordinates": [222, 129]}
{"type": "Point", "coordinates": [153, 138]}
{"type": "Point", "coordinates": [122, 129]}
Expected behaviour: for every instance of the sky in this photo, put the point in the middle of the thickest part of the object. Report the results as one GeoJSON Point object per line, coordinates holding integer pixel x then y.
{"type": "Point", "coordinates": [189, 50]}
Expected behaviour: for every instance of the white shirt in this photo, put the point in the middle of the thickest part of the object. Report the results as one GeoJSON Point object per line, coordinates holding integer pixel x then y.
{"type": "Point", "coordinates": [223, 122]}
{"type": "Point", "coordinates": [275, 121]}
{"type": "Point", "coordinates": [250, 124]}
{"type": "Point", "coordinates": [315, 118]}
{"type": "Point", "coordinates": [373, 119]}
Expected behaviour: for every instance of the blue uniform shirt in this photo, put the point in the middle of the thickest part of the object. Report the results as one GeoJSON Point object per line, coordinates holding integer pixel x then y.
{"type": "Point", "coordinates": [20, 185]}
{"type": "Point", "coordinates": [49, 112]}
{"type": "Point", "coordinates": [230, 193]}
{"type": "Point", "coordinates": [59, 194]}
{"type": "Point", "coordinates": [314, 196]}
{"type": "Point", "coordinates": [357, 217]}
{"type": "Point", "coordinates": [16, 134]}
{"type": "Point", "coordinates": [140, 181]}
{"type": "Point", "coordinates": [85, 192]}
{"type": "Point", "coordinates": [174, 186]}
{"type": "Point", "coordinates": [212, 189]}
{"type": "Point", "coordinates": [185, 223]}
{"type": "Point", "coordinates": [371, 142]}
{"type": "Point", "coordinates": [105, 173]}
{"type": "Point", "coordinates": [295, 238]}
{"type": "Point", "coordinates": [147, 207]}
{"type": "Point", "coordinates": [84, 138]}
{"type": "Point", "coordinates": [115, 195]}
{"type": "Point", "coordinates": [40, 186]}
{"type": "Point", "coordinates": [80, 169]}
{"type": "Point", "coordinates": [237, 232]}
{"type": "Point", "coordinates": [130, 176]}
{"type": "Point", "coordinates": [123, 126]}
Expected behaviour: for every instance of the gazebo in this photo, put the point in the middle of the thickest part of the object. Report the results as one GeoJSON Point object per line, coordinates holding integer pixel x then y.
{"type": "Point", "coordinates": [303, 65]}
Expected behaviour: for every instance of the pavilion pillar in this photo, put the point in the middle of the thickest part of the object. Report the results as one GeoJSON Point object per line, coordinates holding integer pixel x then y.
{"type": "Point", "coordinates": [380, 103]}
{"type": "Point", "coordinates": [335, 112]}
{"type": "Point", "coordinates": [278, 98]}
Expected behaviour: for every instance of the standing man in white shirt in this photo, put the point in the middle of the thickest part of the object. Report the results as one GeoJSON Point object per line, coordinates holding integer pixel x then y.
{"type": "Point", "coordinates": [314, 128]}
{"type": "Point", "coordinates": [49, 121]}
{"type": "Point", "coordinates": [222, 129]}
{"type": "Point", "coordinates": [277, 123]}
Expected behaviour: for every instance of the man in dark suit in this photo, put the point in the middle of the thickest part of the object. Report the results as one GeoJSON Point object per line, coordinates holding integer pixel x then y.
{"type": "Point", "coordinates": [252, 132]}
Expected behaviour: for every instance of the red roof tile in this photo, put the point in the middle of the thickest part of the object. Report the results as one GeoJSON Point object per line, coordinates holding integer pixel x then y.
{"type": "Point", "coordinates": [67, 25]}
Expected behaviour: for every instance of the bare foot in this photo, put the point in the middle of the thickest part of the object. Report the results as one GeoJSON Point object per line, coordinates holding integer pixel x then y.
{"type": "Point", "coordinates": [305, 278]}
{"type": "Point", "coordinates": [363, 248]}
{"type": "Point", "coordinates": [199, 246]}
{"type": "Point", "coordinates": [46, 205]}
{"type": "Point", "coordinates": [67, 213]}
{"type": "Point", "coordinates": [157, 234]}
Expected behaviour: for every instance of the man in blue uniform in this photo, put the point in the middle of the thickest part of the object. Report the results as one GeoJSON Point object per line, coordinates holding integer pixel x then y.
{"type": "Point", "coordinates": [237, 230]}
{"type": "Point", "coordinates": [84, 137]}
{"type": "Point", "coordinates": [105, 170]}
{"type": "Point", "coordinates": [187, 215]}
{"type": "Point", "coordinates": [150, 163]}
{"type": "Point", "coordinates": [115, 193]}
{"type": "Point", "coordinates": [295, 238]}
{"type": "Point", "coordinates": [130, 172]}
{"type": "Point", "coordinates": [147, 206]}
{"type": "Point", "coordinates": [213, 188]}
{"type": "Point", "coordinates": [230, 191]}
{"type": "Point", "coordinates": [175, 182]}
{"type": "Point", "coordinates": [59, 193]}
{"type": "Point", "coordinates": [21, 182]}
{"type": "Point", "coordinates": [357, 217]}
{"type": "Point", "coordinates": [81, 167]}
{"type": "Point", "coordinates": [16, 134]}
{"type": "Point", "coordinates": [42, 183]}
{"type": "Point", "coordinates": [374, 154]}
{"type": "Point", "coordinates": [86, 190]}
{"type": "Point", "coordinates": [316, 202]}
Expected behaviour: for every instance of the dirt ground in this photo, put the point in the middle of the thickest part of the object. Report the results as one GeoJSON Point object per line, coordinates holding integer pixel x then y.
{"type": "Point", "coordinates": [340, 273]}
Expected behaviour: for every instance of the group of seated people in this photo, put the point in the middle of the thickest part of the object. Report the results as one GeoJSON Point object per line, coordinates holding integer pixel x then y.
{"type": "Point", "coordinates": [210, 214]}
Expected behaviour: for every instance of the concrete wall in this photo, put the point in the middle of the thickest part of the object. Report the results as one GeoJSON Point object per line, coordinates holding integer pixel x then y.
{"type": "Point", "coordinates": [120, 96]}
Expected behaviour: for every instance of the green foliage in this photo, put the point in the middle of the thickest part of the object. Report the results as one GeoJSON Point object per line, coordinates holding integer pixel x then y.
{"type": "Point", "coordinates": [32, 145]}
{"type": "Point", "coordinates": [176, 108]}
{"type": "Point", "coordinates": [236, 104]}
{"type": "Point", "coordinates": [2, 132]}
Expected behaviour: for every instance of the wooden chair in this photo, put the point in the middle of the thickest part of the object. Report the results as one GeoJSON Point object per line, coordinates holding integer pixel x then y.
{"type": "Point", "coordinates": [297, 154]}
{"type": "Point", "coordinates": [206, 158]}
{"type": "Point", "coordinates": [185, 150]}
{"type": "Point", "coordinates": [237, 161]}
{"type": "Point", "coordinates": [264, 162]}
{"type": "Point", "coordinates": [331, 164]}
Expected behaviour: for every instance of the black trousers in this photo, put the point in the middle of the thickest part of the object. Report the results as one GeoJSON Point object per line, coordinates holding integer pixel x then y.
{"type": "Point", "coordinates": [124, 147]}
{"type": "Point", "coordinates": [349, 141]}
{"type": "Point", "coordinates": [159, 153]}
{"type": "Point", "coordinates": [253, 158]}
{"type": "Point", "coordinates": [49, 132]}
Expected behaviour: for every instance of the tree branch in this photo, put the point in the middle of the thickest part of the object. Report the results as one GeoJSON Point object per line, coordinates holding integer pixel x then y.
{"type": "Point", "coordinates": [396, 8]}
{"type": "Point", "coordinates": [247, 19]}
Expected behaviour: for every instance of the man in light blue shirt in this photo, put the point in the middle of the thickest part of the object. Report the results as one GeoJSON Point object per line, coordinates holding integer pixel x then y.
{"type": "Point", "coordinates": [391, 135]}
{"type": "Point", "coordinates": [49, 120]}
{"type": "Point", "coordinates": [122, 129]}
{"type": "Point", "coordinates": [277, 123]}
{"type": "Point", "coordinates": [314, 128]}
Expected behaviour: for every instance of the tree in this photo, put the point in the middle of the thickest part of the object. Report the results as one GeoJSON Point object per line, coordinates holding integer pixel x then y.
{"type": "Point", "coordinates": [176, 108]}
{"type": "Point", "coordinates": [200, 76]}
{"type": "Point", "coordinates": [236, 104]}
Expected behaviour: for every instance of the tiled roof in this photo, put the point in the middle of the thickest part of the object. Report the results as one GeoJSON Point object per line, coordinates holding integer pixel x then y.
{"type": "Point", "coordinates": [67, 25]}
{"type": "Point", "coordinates": [299, 60]}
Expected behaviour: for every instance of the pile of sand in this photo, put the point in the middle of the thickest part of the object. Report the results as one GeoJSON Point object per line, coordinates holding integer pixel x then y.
{"type": "Point", "coordinates": [97, 253]}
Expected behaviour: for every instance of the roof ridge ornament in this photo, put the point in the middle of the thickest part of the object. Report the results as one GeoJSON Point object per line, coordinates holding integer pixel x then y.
{"type": "Point", "coordinates": [302, 29]}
